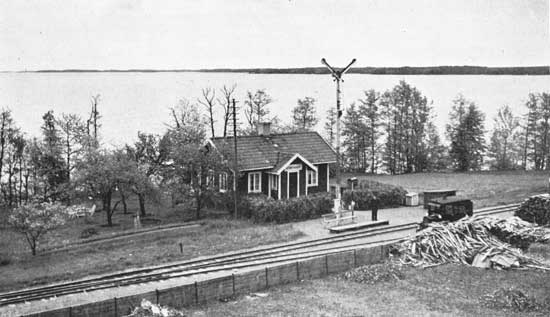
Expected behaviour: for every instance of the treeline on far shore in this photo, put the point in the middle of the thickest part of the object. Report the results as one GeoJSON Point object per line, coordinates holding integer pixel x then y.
{"type": "Point", "coordinates": [405, 70]}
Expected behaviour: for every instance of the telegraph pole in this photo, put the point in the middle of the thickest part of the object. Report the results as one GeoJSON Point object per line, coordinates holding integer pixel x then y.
{"type": "Point", "coordinates": [337, 75]}
{"type": "Point", "coordinates": [235, 162]}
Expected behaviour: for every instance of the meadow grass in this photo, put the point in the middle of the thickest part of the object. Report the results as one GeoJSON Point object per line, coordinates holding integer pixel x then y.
{"type": "Point", "coordinates": [484, 188]}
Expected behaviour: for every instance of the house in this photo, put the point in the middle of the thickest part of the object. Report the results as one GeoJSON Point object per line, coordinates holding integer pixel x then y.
{"type": "Point", "coordinates": [279, 165]}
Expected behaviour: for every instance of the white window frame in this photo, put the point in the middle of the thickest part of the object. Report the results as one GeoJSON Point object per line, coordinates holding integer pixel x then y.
{"type": "Point", "coordinates": [210, 177]}
{"type": "Point", "coordinates": [309, 176]}
{"type": "Point", "coordinates": [274, 179]}
{"type": "Point", "coordinates": [223, 182]}
{"type": "Point", "coordinates": [257, 188]}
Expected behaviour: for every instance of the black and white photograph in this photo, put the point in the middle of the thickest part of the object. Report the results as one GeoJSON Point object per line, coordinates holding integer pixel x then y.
{"type": "Point", "coordinates": [274, 158]}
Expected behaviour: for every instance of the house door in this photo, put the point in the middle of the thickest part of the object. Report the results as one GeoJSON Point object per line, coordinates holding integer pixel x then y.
{"type": "Point", "coordinates": [292, 184]}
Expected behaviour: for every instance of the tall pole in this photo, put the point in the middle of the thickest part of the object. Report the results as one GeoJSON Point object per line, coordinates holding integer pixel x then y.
{"type": "Point", "coordinates": [235, 162]}
{"type": "Point", "coordinates": [337, 75]}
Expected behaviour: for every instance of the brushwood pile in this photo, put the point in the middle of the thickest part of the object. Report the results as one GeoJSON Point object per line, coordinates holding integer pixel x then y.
{"type": "Point", "coordinates": [481, 241]}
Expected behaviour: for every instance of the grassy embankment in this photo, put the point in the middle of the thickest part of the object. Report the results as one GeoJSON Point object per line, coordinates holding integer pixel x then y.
{"type": "Point", "coordinates": [484, 188]}
{"type": "Point", "coordinates": [453, 290]}
{"type": "Point", "coordinates": [218, 234]}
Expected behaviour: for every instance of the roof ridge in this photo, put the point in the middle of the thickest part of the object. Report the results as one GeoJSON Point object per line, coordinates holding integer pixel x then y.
{"type": "Point", "coordinates": [265, 136]}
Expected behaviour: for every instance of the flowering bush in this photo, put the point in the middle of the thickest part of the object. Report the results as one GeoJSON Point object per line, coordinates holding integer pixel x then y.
{"type": "Point", "coordinates": [34, 220]}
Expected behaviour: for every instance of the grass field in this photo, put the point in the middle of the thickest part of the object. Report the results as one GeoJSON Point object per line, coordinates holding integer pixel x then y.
{"type": "Point", "coordinates": [453, 290]}
{"type": "Point", "coordinates": [484, 188]}
{"type": "Point", "coordinates": [218, 234]}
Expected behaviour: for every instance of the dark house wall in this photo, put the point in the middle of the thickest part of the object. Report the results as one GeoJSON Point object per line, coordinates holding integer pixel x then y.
{"type": "Point", "coordinates": [321, 180]}
{"type": "Point", "coordinates": [321, 187]}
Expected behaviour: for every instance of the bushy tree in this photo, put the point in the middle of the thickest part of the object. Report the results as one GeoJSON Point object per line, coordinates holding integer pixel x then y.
{"type": "Point", "coordinates": [466, 134]}
{"type": "Point", "coordinates": [256, 108]}
{"type": "Point", "coordinates": [35, 220]}
{"type": "Point", "coordinates": [406, 114]}
{"type": "Point", "coordinates": [193, 164]}
{"type": "Point", "coordinates": [504, 146]}
{"type": "Point", "coordinates": [304, 114]}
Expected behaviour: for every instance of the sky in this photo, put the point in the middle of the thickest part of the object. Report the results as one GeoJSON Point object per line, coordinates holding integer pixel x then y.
{"type": "Point", "coordinates": [184, 34]}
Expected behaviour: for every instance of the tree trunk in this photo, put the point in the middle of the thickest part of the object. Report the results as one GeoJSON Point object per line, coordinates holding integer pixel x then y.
{"type": "Point", "coordinates": [107, 208]}
{"type": "Point", "coordinates": [198, 210]}
{"type": "Point", "coordinates": [124, 205]}
{"type": "Point", "coordinates": [141, 198]}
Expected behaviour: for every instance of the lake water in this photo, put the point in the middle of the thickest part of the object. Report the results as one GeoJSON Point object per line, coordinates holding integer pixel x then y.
{"type": "Point", "coordinates": [132, 102]}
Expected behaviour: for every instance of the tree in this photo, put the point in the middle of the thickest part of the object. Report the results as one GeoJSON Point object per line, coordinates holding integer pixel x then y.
{"type": "Point", "coordinates": [256, 109]}
{"type": "Point", "coordinates": [7, 131]}
{"type": "Point", "coordinates": [303, 115]}
{"type": "Point", "coordinates": [93, 125]}
{"type": "Point", "coordinates": [51, 164]}
{"type": "Point", "coordinates": [193, 163]}
{"type": "Point", "coordinates": [436, 152]}
{"type": "Point", "coordinates": [369, 110]}
{"type": "Point", "coordinates": [226, 102]}
{"type": "Point", "coordinates": [530, 126]}
{"type": "Point", "coordinates": [101, 172]}
{"type": "Point", "coordinates": [466, 133]}
{"type": "Point", "coordinates": [405, 112]}
{"type": "Point", "coordinates": [35, 220]}
{"type": "Point", "coordinates": [73, 136]}
{"type": "Point", "coordinates": [504, 140]}
{"type": "Point", "coordinates": [330, 125]}
{"type": "Point", "coordinates": [150, 153]}
{"type": "Point", "coordinates": [208, 97]}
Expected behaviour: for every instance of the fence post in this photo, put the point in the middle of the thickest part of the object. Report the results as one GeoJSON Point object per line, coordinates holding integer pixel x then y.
{"type": "Point", "coordinates": [326, 263]}
{"type": "Point", "coordinates": [116, 307]}
{"type": "Point", "coordinates": [70, 311]}
{"type": "Point", "coordinates": [196, 293]}
{"type": "Point", "coordinates": [233, 282]}
{"type": "Point", "coordinates": [181, 247]}
{"type": "Point", "coordinates": [297, 271]}
{"type": "Point", "coordinates": [157, 295]}
{"type": "Point", "coordinates": [266, 279]}
{"type": "Point", "coordinates": [354, 257]}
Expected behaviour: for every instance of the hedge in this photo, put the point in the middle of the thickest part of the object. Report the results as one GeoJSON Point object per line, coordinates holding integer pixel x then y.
{"type": "Point", "coordinates": [388, 195]}
{"type": "Point", "coordinates": [261, 208]}
{"type": "Point", "coordinates": [535, 209]}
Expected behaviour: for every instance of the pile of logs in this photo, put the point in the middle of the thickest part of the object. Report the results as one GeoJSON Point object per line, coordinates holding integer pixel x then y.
{"type": "Point", "coordinates": [535, 209]}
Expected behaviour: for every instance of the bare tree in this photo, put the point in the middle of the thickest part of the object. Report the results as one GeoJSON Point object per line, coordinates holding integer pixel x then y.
{"type": "Point", "coordinates": [93, 121]}
{"type": "Point", "coordinates": [208, 97]}
{"type": "Point", "coordinates": [225, 102]}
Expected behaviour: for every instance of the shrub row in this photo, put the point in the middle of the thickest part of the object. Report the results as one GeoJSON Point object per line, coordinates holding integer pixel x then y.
{"type": "Point", "coordinates": [388, 195]}
{"type": "Point", "coordinates": [535, 209]}
{"type": "Point", "coordinates": [260, 208]}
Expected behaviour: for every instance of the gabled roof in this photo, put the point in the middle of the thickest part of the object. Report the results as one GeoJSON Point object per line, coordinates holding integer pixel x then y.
{"type": "Point", "coordinates": [268, 152]}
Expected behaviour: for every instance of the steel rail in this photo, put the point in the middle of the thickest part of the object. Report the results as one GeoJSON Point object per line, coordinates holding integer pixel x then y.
{"type": "Point", "coordinates": [216, 263]}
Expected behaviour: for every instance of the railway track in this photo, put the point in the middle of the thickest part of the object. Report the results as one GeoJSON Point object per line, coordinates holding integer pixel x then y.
{"type": "Point", "coordinates": [236, 260]}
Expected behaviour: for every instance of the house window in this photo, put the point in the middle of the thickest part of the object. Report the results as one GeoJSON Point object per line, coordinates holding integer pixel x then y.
{"type": "Point", "coordinates": [255, 182]}
{"type": "Point", "coordinates": [274, 181]}
{"type": "Point", "coordinates": [223, 182]}
{"type": "Point", "coordinates": [311, 178]}
{"type": "Point", "coordinates": [210, 179]}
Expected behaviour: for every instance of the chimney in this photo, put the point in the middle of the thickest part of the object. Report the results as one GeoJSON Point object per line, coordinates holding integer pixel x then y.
{"type": "Point", "coordinates": [263, 128]}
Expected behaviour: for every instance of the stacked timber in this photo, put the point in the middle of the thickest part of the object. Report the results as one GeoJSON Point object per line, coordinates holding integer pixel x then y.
{"type": "Point", "coordinates": [535, 209]}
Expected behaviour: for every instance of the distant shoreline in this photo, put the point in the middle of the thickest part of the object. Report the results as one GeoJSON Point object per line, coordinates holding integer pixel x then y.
{"type": "Point", "coordinates": [430, 70]}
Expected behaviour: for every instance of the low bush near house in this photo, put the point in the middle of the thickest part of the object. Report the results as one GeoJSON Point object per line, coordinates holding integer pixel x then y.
{"type": "Point", "coordinates": [388, 195]}
{"type": "Point", "coordinates": [535, 209]}
{"type": "Point", "coordinates": [260, 208]}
